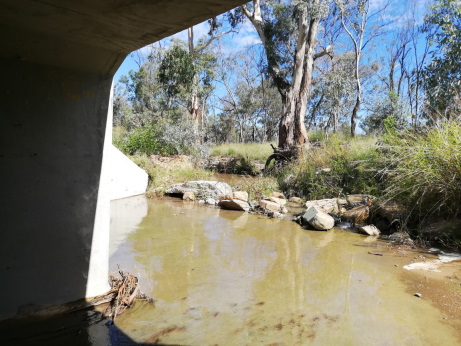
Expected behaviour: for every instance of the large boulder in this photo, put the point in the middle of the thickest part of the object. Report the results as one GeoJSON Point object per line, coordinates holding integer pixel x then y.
{"type": "Point", "coordinates": [358, 214]}
{"type": "Point", "coordinates": [241, 195]}
{"type": "Point", "coordinates": [202, 189]}
{"type": "Point", "coordinates": [318, 219]}
{"type": "Point", "coordinates": [325, 205]}
{"type": "Point", "coordinates": [234, 204]}
{"type": "Point", "coordinates": [269, 205]}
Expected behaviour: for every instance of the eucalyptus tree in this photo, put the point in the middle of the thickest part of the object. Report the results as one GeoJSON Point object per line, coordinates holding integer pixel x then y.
{"type": "Point", "coordinates": [187, 71]}
{"type": "Point", "coordinates": [332, 99]}
{"type": "Point", "coordinates": [288, 32]}
{"type": "Point", "coordinates": [250, 101]}
{"type": "Point", "coordinates": [442, 77]}
{"type": "Point", "coordinates": [362, 26]}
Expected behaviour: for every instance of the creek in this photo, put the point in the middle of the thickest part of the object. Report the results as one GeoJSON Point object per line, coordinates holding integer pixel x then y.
{"type": "Point", "coordinates": [232, 278]}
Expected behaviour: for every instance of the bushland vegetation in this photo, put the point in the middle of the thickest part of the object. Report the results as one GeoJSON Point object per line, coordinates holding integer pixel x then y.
{"type": "Point", "coordinates": [362, 118]}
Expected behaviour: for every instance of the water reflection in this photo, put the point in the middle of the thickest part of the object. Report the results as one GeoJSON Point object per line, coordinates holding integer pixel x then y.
{"type": "Point", "coordinates": [234, 278]}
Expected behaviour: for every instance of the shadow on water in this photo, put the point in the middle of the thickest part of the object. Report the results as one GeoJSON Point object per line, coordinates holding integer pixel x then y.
{"type": "Point", "coordinates": [78, 328]}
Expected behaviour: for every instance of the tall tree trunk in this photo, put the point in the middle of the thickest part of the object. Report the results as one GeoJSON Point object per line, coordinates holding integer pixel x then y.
{"type": "Point", "coordinates": [354, 115]}
{"type": "Point", "coordinates": [294, 93]}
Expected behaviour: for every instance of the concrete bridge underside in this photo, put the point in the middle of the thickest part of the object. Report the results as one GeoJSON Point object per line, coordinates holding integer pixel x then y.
{"type": "Point", "coordinates": [58, 58]}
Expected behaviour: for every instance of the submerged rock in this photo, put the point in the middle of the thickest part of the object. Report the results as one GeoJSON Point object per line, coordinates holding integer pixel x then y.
{"type": "Point", "coordinates": [234, 204]}
{"type": "Point", "coordinates": [201, 189]}
{"type": "Point", "coordinates": [318, 219]}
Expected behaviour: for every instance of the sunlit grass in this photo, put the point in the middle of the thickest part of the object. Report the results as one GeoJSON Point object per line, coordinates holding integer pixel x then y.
{"type": "Point", "coordinates": [249, 151]}
{"type": "Point", "coordinates": [160, 178]}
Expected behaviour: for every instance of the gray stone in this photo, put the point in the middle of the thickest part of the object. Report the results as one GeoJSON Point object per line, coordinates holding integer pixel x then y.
{"type": "Point", "coordinates": [369, 230]}
{"type": "Point", "coordinates": [325, 205]}
{"type": "Point", "coordinates": [201, 189]}
{"type": "Point", "coordinates": [234, 204]}
{"type": "Point", "coordinates": [318, 219]}
{"type": "Point", "coordinates": [210, 201]}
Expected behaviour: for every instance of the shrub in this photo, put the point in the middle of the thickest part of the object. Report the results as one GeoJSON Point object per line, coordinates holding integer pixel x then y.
{"type": "Point", "coordinates": [424, 170]}
{"type": "Point", "coordinates": [146, 140]}
{"type": "Point", "coordinates": [334, 169]}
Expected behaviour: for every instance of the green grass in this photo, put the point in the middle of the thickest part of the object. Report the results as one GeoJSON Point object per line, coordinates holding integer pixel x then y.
{"type": "Point", "coordinates": [160, 178]}
{"type": "Point", "coordinates": [335, 168]}
{"type": "Point", "coordinates": [424, 171]}
{"type": "Point", "coordinates": [248, 151]}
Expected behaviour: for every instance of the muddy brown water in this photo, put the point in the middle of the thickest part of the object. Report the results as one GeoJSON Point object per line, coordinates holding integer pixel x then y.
{"type": "Point", "coordinates": [230, 278]}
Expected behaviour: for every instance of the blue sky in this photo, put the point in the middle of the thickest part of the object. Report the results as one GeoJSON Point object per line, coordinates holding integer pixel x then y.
{"type": "Point", "coordinates": [399, 10]}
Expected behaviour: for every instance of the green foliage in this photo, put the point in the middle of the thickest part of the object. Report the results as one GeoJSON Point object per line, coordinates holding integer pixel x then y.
{"type": "Point", "coordinates": [334, 169]}
{"type": "Point", "coordinates": [167, 138]}
{"type": "Point", "coordinates": [424, 170]}
{"type": "Point", "coordinates": [146, 140]}
{"type": "Point", "coordinates": [177, 71]}
{"type": "Point", "coordinates": [442, 77]}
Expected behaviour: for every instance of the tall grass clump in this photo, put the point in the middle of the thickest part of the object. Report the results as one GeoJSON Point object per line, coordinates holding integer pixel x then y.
{"type": "Point", "coordinates": [334, 168]}
{"type": "Point", "coordinates": [424, 171]}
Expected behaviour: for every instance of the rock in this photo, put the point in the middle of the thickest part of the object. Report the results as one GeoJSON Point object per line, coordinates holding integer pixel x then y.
{"type": "Point", "coordinates": [234, 204]}
{"type": "Point", "coordinates": [210, 201]}
{"type": "Point", "coordinates": [278, 195]}
{"type": "Point", "coordinates": [391, 211]}
{"type": "Point", "coordinates": [341, 202]}
{"type": "Point", "coordinates": [419, 295]}
{"type": "Point", "coordinates": [358, 214]}
{"type": "Point", "coordinates": [369, 230]}
{"type": "Point", "coordinates": [280, 201]}
{"type": "Point", "coordinates": [356, 200]}
{"type": "Point", "coordinates": [269, 205]}
{"type": "Point", "coordinates": [201, 201]}
{"type": "Point", "coordinates": [401, 238]}
{"type": "Point", "coordinates": [318, 219]}
{"type": "Point", "coordinates": [201, 188]}
{"type": "Point", "coordinates": [275, 215]}
{"type": "Point", "coordinates": [295, 200]}
{"type": "Point", "coordinates": [325, 205]}
{"type": "Point", "coordinates": [284, 210]}
{"type": "Point", "coordinates": [188, 196]}
{"type": "Point", "coordinates": [241, 195]}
